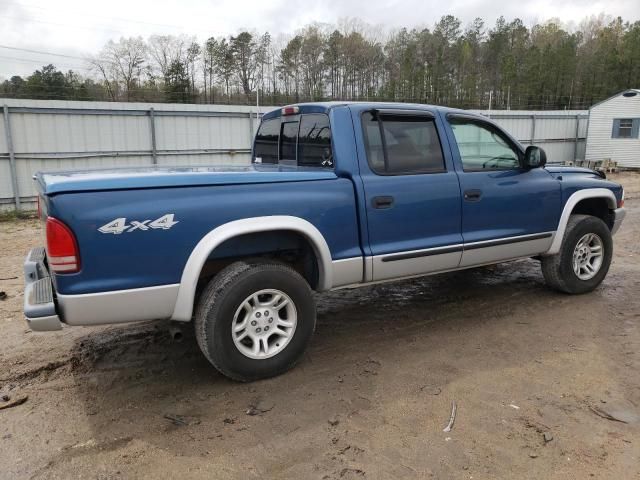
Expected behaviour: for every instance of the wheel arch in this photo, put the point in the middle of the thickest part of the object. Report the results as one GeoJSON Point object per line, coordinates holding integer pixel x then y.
{"type": "Point", "coordinates": [183, 309]}
{"type": "Point", "coordinates": [573, 203]}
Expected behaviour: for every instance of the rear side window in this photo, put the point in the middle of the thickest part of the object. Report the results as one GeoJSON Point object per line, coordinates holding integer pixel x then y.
{"type": "Point", "coordinates": [402, 144]}
{"type": "Point", "coordinates": [266, 144]}
{"type": "Point", "coordinates": [303, 140]}
{"type": "Point", "coordinates": [314, 141]}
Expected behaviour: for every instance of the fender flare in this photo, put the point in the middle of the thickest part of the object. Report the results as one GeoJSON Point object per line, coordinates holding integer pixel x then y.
{"type": "Point", "coordinates": [186, 294]}
{"type": "Point", "coordinates": [573, 200]}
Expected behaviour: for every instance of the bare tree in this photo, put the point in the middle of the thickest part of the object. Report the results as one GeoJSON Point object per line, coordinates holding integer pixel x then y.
{"type": "Point", "coordinates": [311, 51]}
{"type": "Point", "coordinates": [193, 53]}
{"type": "Point", "coordinates": [164, 50]}
{"type": "Point", "coordinates": [102, 69]}
{"type": "Point", "coordinates": [122, 63]}
{"type": "Point", "coordinates": [545, 65]}
{"type": "Point", "coordinates": [249, 55]}
{"type": "Point", "coordinates": [290, 66]}
{"type": "Point", "coordinates": [209, 67]}
{"type": "Point", "coordinates": [225, 63]}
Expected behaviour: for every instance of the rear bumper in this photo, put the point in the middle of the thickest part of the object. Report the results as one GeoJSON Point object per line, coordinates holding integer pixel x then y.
{"type": "Point", "coordinates": [618, 217]}
{"type": "Point", "coordinates": [39, 305]}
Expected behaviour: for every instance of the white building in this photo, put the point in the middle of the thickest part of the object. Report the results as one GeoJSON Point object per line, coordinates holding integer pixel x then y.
{"type": "Point", "coordinates": [613, 130]}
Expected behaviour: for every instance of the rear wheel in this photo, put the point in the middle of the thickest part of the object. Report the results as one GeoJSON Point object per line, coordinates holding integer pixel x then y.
{"type": "Point", "coordinates": [255, 319]}
{"type": "Point", "coordinates": [584, 257]}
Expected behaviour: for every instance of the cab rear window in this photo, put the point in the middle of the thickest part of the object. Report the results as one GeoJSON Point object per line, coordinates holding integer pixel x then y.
{"type": "Point", "coordinates": [288, 140]}
{"type": "Point", "coordinates": [266, 144]}
{"type": "Point", "coordinates": [314, 141]}
{"type": "Point", "coordinates": [303, 140]}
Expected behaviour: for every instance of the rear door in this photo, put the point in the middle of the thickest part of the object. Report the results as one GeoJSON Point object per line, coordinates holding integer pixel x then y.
{"type": "Point", "coordinates": [412, 195]}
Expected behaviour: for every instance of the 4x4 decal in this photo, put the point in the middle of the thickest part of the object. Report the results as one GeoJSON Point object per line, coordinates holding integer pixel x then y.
{"type": "Point", "coordinates": [119, 225]}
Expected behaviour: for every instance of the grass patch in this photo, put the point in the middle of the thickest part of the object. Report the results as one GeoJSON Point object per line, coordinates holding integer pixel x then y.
{"type": "Point", "coordinates": [12, 215]}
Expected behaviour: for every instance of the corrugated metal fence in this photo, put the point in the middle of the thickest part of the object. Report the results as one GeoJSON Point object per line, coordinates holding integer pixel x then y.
{"type": "Point", "coordinates": [38, 135]}
{"type": "Point", "coordinates": [58, 135]}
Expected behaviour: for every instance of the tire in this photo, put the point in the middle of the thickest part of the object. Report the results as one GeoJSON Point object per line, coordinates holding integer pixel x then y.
{"type": "Point", "coordinates": [228, 302]}
{"type": "Point", "coordinates": [558, 270]}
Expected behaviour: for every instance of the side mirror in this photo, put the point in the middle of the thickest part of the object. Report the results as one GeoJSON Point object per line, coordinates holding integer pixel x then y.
{"type": "Point", "coordinates": [534, 157]}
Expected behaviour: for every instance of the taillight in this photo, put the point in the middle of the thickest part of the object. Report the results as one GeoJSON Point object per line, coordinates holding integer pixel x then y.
{"type": "Point", "coordinates": [62, 248]}
{"type": "Point", "coordinates": [621, 201]}
{"type": "Point", "coordinates": [289, 111]}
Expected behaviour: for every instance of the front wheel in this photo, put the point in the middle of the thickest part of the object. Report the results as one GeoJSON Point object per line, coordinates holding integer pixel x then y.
{"type": "Point", "coordinates": [255, 319]}
{"type": "Point", "coordinates": [584, 257]}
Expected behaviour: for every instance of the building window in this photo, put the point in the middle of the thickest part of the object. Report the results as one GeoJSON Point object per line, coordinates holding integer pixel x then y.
{"type": "Point", "coordinates": [625, 128]}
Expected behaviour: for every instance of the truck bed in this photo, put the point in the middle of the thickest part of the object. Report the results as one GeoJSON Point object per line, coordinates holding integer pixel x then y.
{"type": "Point", "coordinates": [172, 176]}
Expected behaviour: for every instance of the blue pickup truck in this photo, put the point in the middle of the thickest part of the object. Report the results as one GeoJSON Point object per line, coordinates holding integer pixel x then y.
{"type": "Point", "coordinates": [338, 195]}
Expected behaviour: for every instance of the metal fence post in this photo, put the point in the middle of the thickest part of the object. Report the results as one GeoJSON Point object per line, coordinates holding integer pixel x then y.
{"type": "Point", "coordinates": [533, 129]}
{"type": "Point", "coordinates": [251, 127]}
{"type": "Point", "coordinates": [152, 122]}
{"type": "Point", "coordinates": [575, 145]}
{"type": "Point", "coordinates": [12, 156]}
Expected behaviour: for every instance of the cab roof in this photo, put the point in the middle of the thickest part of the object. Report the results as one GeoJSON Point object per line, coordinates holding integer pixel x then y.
{"type": "Point", "coordinates": [324, 107]}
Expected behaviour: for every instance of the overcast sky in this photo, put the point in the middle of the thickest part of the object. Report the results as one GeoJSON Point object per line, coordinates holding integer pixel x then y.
{"type": "Point", "coordinates": [80, 27]}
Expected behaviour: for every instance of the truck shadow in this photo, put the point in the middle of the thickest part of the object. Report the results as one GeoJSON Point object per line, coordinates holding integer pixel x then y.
{"type": "Point", "coordinates": [135, 383]}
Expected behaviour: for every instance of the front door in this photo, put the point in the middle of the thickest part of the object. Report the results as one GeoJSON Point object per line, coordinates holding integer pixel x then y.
{"type": "Point", "coordinates": [507, 211]}
{"type": "Point", "coordinates": [412, 194]}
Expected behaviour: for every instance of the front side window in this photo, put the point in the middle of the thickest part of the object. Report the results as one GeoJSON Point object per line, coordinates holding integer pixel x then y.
{"type": "Point", "coordinates": [402, 143]}
{"type": "Point", "coordinates": [483, 147]}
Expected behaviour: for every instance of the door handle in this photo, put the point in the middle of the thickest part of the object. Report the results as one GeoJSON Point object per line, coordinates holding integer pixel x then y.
{"type": "Point", "coordinates": [472, 195]}
{"type": "Point", "coordinates": [382, 202]}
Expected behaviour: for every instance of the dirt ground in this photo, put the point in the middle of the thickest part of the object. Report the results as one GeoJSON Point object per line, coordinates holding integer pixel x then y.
{"type": "Point", "coordinates": [533, 374]}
